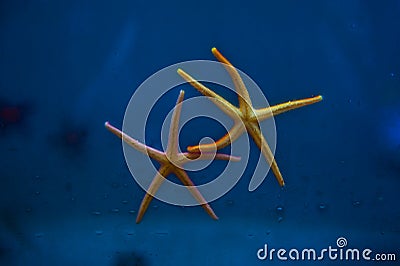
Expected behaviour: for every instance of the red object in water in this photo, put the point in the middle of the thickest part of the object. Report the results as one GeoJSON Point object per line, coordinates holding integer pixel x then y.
{"type": "Point", "coordinates": [10, 114]}
{"type": "Point", "coordinates": [72, 138]}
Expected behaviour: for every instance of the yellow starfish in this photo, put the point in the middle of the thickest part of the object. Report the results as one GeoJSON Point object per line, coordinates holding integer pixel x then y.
{"type": "Point", "coordinates": [171, 161]}
{"type": "Point", "coordinates": [245, 117]}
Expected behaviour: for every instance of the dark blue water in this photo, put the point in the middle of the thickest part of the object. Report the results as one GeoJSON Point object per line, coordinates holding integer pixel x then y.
{"type": "Point", "coordinates": [67, 196]}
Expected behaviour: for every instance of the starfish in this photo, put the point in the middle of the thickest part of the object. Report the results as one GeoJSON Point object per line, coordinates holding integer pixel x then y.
{"type": "Point", "coordinates": [246, 117]}
{"type": "Point", "coordinates": [171, 161]}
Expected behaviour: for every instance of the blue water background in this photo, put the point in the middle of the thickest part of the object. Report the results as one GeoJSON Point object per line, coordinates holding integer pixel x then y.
{"type": "Point", "coordinates": [67, 196]}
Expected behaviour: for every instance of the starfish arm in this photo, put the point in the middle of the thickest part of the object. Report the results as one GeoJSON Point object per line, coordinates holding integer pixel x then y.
{"type": "Point", "coordinates": [210, 156]}
{"type": "Point", "coordinates": [261, 143]}
{"type": "Point", "coordinates": [173, 137]}
{"type": "Point", "coordinates": [187, 157]}
{"type": "Point", "coordinates": [223, 104]}
{"type": "Point", "coordinates": [264, 113]}
{"type": "Point", "coordinates": [184, 178]}
{"type": "Point", "coordinates": [233, 134]}
{"type": "Point", "coordinates": [153, 153]}
{"type": "Point", "coordinates": [162, 173]}
{"type": "Point", "coordinates": [225, 157]}
{"type": "Point", "coordinates": [244, 98]}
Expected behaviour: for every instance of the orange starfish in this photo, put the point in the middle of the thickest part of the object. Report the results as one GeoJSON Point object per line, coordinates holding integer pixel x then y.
{"type": "Point", "coordinates": [246, 117]}
{"type": "Point", "coordinates": [171, 161]}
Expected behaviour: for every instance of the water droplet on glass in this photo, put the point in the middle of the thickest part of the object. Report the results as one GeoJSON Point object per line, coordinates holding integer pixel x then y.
{"type": "Point", "coordinates": [96, 213]}
{"type": "Point", "coordinates": [279, 210]}
{"type": "Point", "coordinates": [322, 206]}
{"type": "Point", "coordinates": [116, 210]}
{"type": "Point", "coordinates": [161, 233]}
{"type": "Point", "coordinates": [229, 203]}
{"type": "Point", "coordinates": [39, 235]}
{"type": "Point", "coordinates": [356, 203]}
{"type": "Point", "coordinates": [99, 232]}
{"type": "Point", "coordinates": [124, 202]}
{"type": "Point", "coordinates": [132, 211]}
